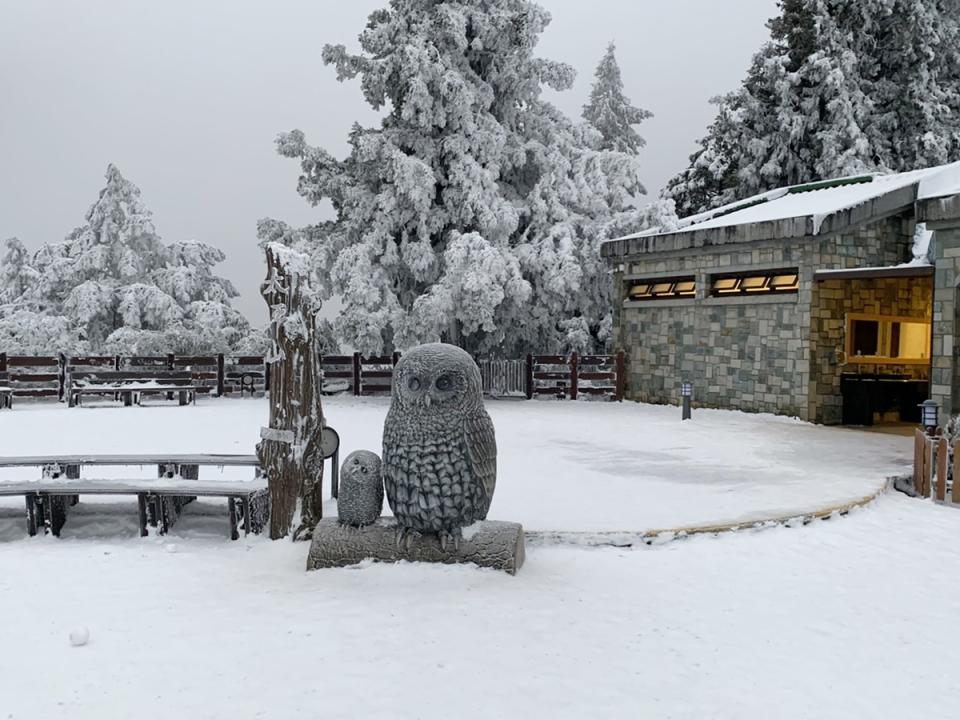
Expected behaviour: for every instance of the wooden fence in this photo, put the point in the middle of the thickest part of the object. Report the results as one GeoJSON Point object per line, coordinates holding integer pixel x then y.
{"type": "Point", "coordinates": [562, 376]}
{"type": "Point", "coordinates": [935, 469]}
{"type": "Point", "coordinates": [48, 376]}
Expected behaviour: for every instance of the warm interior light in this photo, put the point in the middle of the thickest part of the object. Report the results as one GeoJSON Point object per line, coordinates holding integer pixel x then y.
{"type": "Point", "coordinates": [785, 281]}
{"type": "Point", "coordinates": [660, 289]}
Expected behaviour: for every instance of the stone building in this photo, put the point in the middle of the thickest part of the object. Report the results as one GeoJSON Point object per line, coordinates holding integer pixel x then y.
{"type": "Point", "coordinates": [834, 301]}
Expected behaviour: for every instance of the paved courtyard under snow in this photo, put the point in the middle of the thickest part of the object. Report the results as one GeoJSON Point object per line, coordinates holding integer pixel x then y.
{"type": "Point", "coordinates": [563, 467]}
{"type": "Point", "coordinates": [851, 617]}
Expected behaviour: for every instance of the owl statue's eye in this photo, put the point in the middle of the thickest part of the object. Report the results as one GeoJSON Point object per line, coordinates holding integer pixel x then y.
{"type": "Point", "coordinates": [444, 383]}
{"type": "Point", "coordinates": [413, 383]}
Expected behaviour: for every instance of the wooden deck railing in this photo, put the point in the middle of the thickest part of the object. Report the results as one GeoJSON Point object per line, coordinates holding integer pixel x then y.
{"type": "Point", "coordinates": [563, 376]}
{"type": "Point", "coordinates": [936, 468]}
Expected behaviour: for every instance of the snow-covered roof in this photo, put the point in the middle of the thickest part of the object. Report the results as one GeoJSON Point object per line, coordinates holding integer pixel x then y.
{"type": "Point", "coordinates": [818, 201]}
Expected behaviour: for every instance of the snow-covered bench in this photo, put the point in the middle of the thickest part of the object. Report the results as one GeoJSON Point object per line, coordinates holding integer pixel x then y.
{"type": "Point", "coordinates": [6, 392]}
{"type": "Point", "coordinates": [130, 386]}
{"type": "Point", "coordinates": [159, 499]}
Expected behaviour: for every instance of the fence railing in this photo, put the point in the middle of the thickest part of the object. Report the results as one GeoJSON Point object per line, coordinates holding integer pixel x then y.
{"type": "Point", "coordinates": [936, 468]}
{"type": "Point", "coordinates": [562, 376]}
{"type": "Point", "coordinates": [48, 376]}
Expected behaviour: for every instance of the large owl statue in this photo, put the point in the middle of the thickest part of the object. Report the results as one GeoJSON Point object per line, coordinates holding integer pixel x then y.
{"type": "Point", "coordinates": [439, 449]}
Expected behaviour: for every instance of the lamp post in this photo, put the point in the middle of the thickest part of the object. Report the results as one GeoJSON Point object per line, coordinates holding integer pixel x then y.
{"type": "Point", "coordinates": [929, 416]}
{"type": "Point", "coordinates": [686, 392]}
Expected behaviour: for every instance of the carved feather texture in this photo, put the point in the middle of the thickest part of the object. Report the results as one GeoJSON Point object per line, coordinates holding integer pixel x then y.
{"type": "Point", "coordinates": [439, 452]}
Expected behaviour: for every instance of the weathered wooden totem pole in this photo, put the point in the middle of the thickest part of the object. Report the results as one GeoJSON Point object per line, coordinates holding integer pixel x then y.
{"type": "Point", "coordinates": [289, 449]}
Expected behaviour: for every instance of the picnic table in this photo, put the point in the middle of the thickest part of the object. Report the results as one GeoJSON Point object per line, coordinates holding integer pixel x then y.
{"type": "Point", "coordinates": [159, 500]}
{"type": "Point", "coordinates": [130, 385]}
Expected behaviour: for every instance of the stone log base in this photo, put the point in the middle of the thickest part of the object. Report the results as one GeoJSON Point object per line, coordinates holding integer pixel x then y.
{"type": "Point", "coordinates": [491, 544]}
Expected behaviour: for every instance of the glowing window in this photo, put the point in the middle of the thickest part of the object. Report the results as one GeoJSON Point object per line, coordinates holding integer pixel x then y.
{"type": "Point", "coordinates": [662, 288]}
{"type": "Point", "coordinates": [755, 283]}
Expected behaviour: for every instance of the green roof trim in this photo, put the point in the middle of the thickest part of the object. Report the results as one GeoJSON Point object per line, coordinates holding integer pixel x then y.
{"type": "Point", "coordinates": [738, 208]}
{"type": "Point", "coordinates": [825, 184]}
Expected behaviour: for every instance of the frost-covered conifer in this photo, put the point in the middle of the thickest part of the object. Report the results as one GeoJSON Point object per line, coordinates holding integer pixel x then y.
{"type": "Point", "coordinates": [610, 111]}
{"type": "Point", "coordinates": [842, 87]}
{"type": "Point", "coordinates": [473, 213]}
{"type": "Point", "coordinates": [17, 273]}
{"type": "Point", "coordinates": [114, 286]}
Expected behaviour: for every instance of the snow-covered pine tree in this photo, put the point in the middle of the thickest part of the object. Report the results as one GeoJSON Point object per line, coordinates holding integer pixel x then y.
{"type": "Point", "coordinates": [710, 180]}
{"type": "Point", "coordinates": [474, 212]}
{"type": "Point", "coordinates": [120, 289]}
{"type": "Point", "coordinates": [842, 87]}
{"type": "Point", "coordinates": [916, 83]}
{"type": "Point", "coordinates": [17, 274]}
{"type": "Point", "coordinates": [610, 111]}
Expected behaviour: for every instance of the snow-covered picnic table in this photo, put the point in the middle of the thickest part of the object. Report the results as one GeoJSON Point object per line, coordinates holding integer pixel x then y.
{"type": "Point", "coordinates": [159, 499]}
{"type": "Point", "coordinates": [130, 386]}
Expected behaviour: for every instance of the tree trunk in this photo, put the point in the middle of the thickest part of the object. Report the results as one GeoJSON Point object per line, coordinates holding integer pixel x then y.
{"type": "Point", "coordinates": [289, 449]}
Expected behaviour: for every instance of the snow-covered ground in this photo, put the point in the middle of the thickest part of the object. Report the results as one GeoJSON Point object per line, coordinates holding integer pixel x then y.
{"type": "Point", "coordinates": [562, 466]}
{"type": "Point", "coordinates": [852, 617]}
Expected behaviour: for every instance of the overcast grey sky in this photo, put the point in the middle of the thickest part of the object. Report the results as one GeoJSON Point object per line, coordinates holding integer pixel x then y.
{"type": "Point", "coordinates": [186, 97]}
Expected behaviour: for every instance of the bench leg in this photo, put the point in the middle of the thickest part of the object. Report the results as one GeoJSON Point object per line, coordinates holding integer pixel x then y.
{"type": "Point", "coordinates": [183, 398]}
{"type": "Point", "coordinates": [71, 399]}
{"type": "Point", "coordinates": [245, 512]}
{"type": "Point", "coordinates": [73, 473]}
{"type": "Point", "coordinates": [159, 514]}
{"type": "Point", "coordinates": [58, 512]}
{"type": "Point", "coordinates": [127, 399]}
{"type": "Point", "coordinates": [31, 501]}
{"type": "Point", "coordinates": [142, 513]}
{"type": "Point", "coordinates": [232, 510]}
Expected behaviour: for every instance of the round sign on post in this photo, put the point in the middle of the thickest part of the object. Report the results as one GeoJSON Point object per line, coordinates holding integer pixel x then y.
{"type": "Point", "coordinates": [330, 445]}
{"type": "Point", "coordinates": [329, 441]}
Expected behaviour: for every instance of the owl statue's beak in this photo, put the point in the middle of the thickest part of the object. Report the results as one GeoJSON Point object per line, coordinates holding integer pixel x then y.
{"type": "Point", "coordinates": [426, 399]}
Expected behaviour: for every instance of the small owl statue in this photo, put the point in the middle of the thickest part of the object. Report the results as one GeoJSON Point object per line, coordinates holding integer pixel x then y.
{"type": "Point", "coordinates": [360, 495]}
{"type": "Point", "coordinates": [439, 449]}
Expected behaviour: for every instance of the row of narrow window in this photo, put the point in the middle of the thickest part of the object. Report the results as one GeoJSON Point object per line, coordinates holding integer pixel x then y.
{"type": "Point", "coordinates": [722, 285]}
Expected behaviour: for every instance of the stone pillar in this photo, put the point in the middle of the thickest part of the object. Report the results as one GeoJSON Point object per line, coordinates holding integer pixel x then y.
{"type": "Point", "coordinates": [942, 216]}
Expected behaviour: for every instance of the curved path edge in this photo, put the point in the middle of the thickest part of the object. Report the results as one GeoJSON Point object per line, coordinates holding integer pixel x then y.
{"type": "Point", "coordinates": [618, 538]}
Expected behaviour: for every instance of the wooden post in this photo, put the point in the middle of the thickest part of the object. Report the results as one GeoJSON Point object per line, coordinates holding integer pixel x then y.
{"type": "Point", "coordinates": [529, 377]}
{"type": "Point", "coordinates": [117, 362]}
{"type": "Point", "coordinates": [3, 362]}
{"type": "Point", "coordinates": [621, 381]}
{"type": "Point", "coordinates": [290, 449]}
{"type": "Point", "coordinates": [356, 373]}
{"type": "Point", "coordinates": [955, 490]}
{"type": "Point", "coordinates": [574, 371]}
{"type": "Point", "coordinates": [61, 376]}
{"type": "Point", "coordinates": [220, 375]}
{"type": "Point", "coordinates": [171, 358]}
{"type": "Point", "coordinates": [918, 437]}
{"type": "Point", "coordinates": [926, 464]}
{"type": "Point", "coordinates": [942, 469]}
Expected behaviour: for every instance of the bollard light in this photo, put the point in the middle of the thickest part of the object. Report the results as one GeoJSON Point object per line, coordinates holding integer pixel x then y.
{"type": "Point", "coordinates": [929, 415]}
{"type": "Point", "coordinates": [686, 392]}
